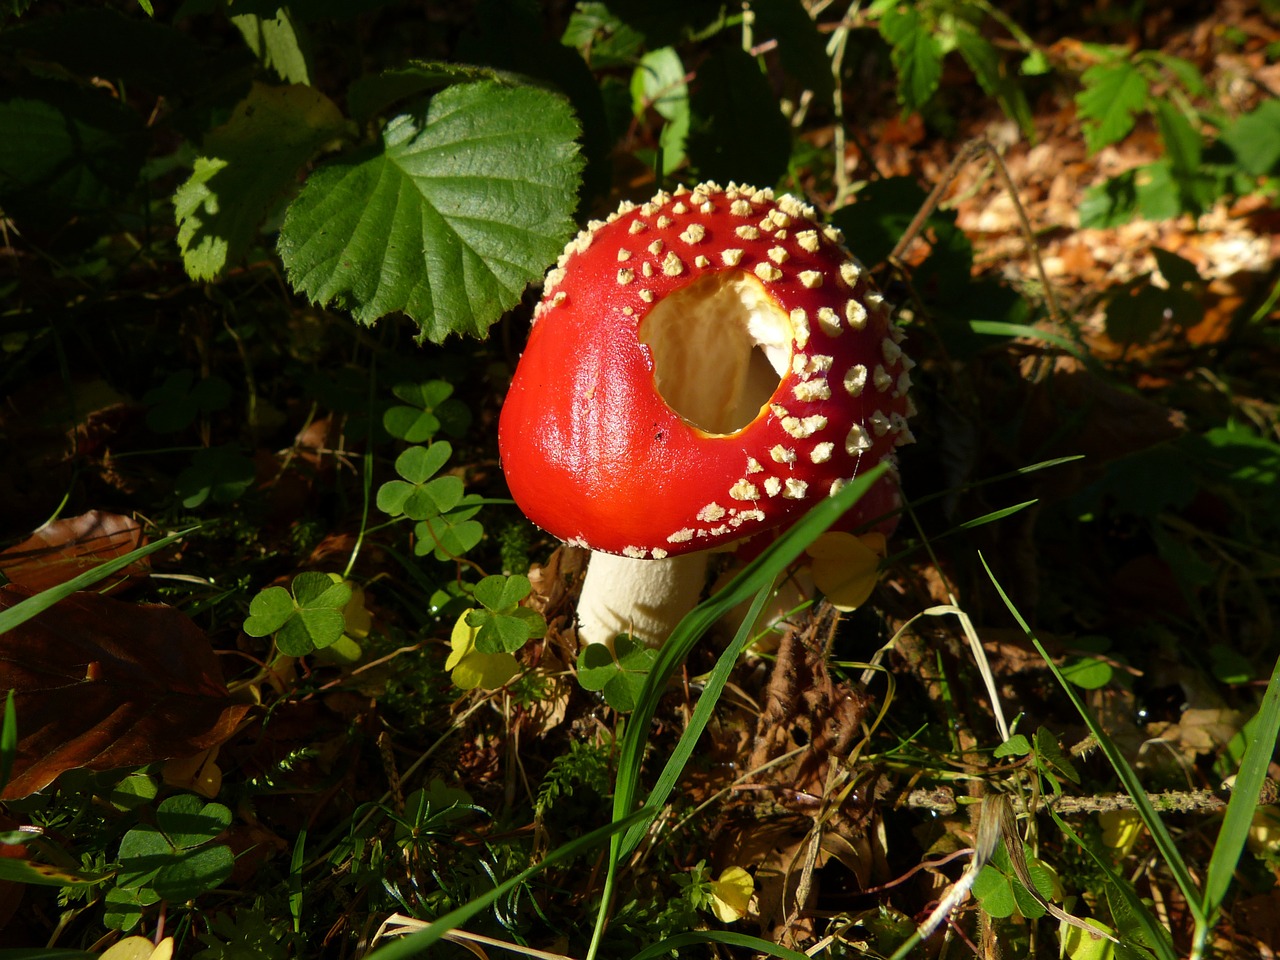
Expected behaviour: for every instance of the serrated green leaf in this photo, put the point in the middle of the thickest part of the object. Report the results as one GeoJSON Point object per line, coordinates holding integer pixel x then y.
{"type": "Point", "coordinates": [276, 43]}
{"type": "Point", "coordinates": [449, 220]}
{"type": "Point", "coordinates": [268, 612]}
{"type": "Point", "coordinates": [916, 54]}
{"type": "Point", "coordinates": [1051, 756]}
{"type": "Point", "coordinates": [1113, 93]}
{"type": "Point", "coordinates": [987, 65]}
{"type": "Point", "coordinates": [371, 94]}
{"type": "Point", "coordinates": [1182, 144]}
{"type": "Point", "coordinates": [247, 165]}
{"type": "Point", "coordinates": [1254, 138]}
{"type": "Point", "coordinates": [603, 39]}
{"type": "Point", "coordinates": [76, 150]}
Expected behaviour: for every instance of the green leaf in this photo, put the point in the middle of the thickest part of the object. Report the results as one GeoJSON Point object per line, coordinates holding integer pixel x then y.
{"type": "Point", "coordinates": [658, 82]}
{"type": "Point", "coordinates": [427, 408]}
{"type": "Point", "coordinates": [417, 464]}
{"type": "Point", "coordinates": [994, 891]}
{"type": "Point", "coordinates": [985, 62]}
{"type": "Point", "coordinates": [268, 612]}
{"type": "Point", "coordinates": [221, 474]}
{"type": "Point", "coordinates": [187, 821]}
{"type": "Point", "coordinates": [1088, 673]}
{"type": "Point", "coordinates": [1111, 203]}
{"type": "Point", "coordinates": [143, 851]}
{"type": "Point", "coordinates": [276, 43]}
{"type": "Point", "coordinates": [916, 54]}
{"type": "Point", "coordinates": [1049, 755]}
{"type": "Point", "coordinates": [246, 166]}
{"type": "Point", "coordinates": [124, 906]}
{"type": "Point", "coordinates": [1113, 93]}
{"type": "Point", "coordinates": [314, 589]}
{"type": "Point", "coordinates": [1016, 746]}
{"type": "Point", "coordinates": [449, 219]}
{"type": "Point", "coordinates": [451, 534]}
{"type": "Point", "coordinates": [619, 673]}
{"type": "Point", "coordinates": [1182, 143]}
{"type": "Point", "coordinates": [1254, 138]}
{"type": "Point", "coordinates": [180, 399]}
{"type": "Point", "coordinates": [603, 39]}
{"type": "Point", "coordinates": [193, 872]}
{"type": "Point", "coordinates": [500, 594]}
{"type": "Point", "coordinates": [75, 149]}
{"type": "Point", "coordinates": [373, 93]}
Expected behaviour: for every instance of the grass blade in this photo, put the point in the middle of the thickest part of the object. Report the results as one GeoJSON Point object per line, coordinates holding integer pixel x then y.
{"type": "Point", "coordinates": [1241, 807]}
{"type": "Point", "coordinates": [8, 740]}
{"type": "Point", "coordinates": [1159, 833]}
{"type": "Point", "coordinates": [22, 612]}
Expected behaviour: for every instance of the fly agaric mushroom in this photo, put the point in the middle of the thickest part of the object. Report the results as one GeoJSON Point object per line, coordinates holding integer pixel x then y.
{"type": "Point", "coordinates": [701, 368]}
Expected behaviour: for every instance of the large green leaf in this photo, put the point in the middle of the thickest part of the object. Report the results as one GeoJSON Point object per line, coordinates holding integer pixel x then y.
{"type": "Point", "coordinates": [449, 219]}
{"type": "Point", "coordinates": [248, 164]}
{"type": "Point", "coordinates": [916, 53]}
{"type": "Point", "coordinates": [1112, 94]}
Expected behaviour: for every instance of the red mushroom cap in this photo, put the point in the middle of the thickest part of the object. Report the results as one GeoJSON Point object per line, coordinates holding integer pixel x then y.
{"type": "Point", "coordinates": [636, 423]}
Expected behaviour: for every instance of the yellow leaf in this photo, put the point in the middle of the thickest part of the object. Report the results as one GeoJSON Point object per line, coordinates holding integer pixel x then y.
{"type": "Point", "coordinates": [1120, 830]}
{"type": "Point", "coordinates": [469, 668]}
{"type": "Point", "coordinates": [845, 567]}
{"type": "Point", "coordinates": [731, 894]}
{"type": "Point", "coordinates": [139, 948]}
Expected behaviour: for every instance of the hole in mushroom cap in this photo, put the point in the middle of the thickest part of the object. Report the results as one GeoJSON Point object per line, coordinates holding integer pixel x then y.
{"type": "Point", "coordinates": [720, 347]}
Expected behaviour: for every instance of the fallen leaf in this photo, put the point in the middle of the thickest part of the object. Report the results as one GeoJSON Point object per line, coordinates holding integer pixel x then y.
{"type": "Point", "coordinates": [845, 567]}
{"type": "Point", "coordinates": [100, 683]}
{"type": "Point", "coordinates": [139, 948]}
{"type": "Point", "coordinates": [64, 549]}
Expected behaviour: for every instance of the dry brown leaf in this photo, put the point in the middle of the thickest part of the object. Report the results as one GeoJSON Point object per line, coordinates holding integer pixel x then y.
{"type": "Point", "coordinates": [100, 683]}
{"type": "Point", "coordinates": [64, 549]}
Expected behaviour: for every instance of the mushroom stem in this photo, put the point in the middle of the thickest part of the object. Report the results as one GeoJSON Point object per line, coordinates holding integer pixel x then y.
{"type": "Point", "coordinates": [643, 598]}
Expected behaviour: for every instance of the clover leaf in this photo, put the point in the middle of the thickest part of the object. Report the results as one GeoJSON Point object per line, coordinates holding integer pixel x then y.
{"type": "Point", "coordinates": [503, 625]}
{"type": "Point", "coordinates": [427, 408]}
{"type": "Point", "coordinates": [619, 674]}
{"type": "Point", "coordinates": [416, 495]}
{"type": "Point", "coordinates": [304, 618]}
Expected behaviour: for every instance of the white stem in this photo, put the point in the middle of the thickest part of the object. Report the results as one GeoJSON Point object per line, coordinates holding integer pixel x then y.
{"type": "Point", "coordinates": [644, 598]}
